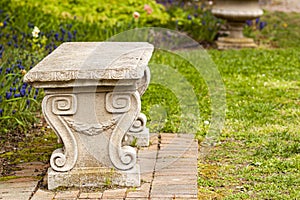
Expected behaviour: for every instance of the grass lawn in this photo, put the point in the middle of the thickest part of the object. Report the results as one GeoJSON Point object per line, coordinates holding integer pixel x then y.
{"type": "Point", "coordinates": [258, 153]}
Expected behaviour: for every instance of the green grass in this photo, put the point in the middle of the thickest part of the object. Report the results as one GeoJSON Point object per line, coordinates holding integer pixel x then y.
{"type": "Point", "coordinates": [257, 156]}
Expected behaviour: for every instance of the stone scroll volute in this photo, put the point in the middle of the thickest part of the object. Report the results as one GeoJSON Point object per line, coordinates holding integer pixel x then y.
{"type": "Point", "coordinates": [55, 108]}
{"type": "Point", "coordinates": [127, 104]}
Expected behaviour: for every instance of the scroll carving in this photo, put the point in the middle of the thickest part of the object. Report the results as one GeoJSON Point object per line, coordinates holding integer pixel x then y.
{"type": "Point", "coordinates": [139, 124]}
{"type": "Point", "coordinates": [122, 157]}
{"type": "Point", "coordinates": [118, 102]}
{"type": "Point", "coordinates": [54, 108]}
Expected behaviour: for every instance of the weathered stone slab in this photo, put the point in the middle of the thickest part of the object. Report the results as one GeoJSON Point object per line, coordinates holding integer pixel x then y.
{"type": "Point", "coordinates": [74, 62]}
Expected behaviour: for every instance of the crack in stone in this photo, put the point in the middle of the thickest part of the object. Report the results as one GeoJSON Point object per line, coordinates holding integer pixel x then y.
{"type": "Point", "coordinates": [154, 169]}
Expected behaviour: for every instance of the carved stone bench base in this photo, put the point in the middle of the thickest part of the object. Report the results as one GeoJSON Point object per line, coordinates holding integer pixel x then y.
{"type": "Point", "coordinates": [93, 177]}
{"type": "Point", "coordinates": [92, 101]}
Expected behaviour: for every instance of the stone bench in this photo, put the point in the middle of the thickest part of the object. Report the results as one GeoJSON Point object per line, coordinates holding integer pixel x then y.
{"type": "Point", "coordinates": [92, 102]}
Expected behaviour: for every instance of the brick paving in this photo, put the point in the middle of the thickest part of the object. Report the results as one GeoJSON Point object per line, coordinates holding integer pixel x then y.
{"type": "Point", "coordinates": [168, 171]}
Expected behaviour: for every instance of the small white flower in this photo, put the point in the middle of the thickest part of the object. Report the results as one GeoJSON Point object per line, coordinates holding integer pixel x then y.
{"type": "Point", "coordinates": [136, 15]}
{"type": "Point", "coordinates": [206, 122]}
{"type": "Point", "coordinates": [35, 32]}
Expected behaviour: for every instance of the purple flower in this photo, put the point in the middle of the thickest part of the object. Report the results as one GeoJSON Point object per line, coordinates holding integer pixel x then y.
{"type": "Point", "coordinates": [189, 17]}
{"type": "Point", "coordinates": [257, 20]}
{"type": "Point", "coordinates": [14, 111]}
{"type": "Point", "coordinates": [262, 25]}
{"type": "Point", "coordinates": [36, 91]}
{"type": "Point", "coordinates": [8, 70]}
{"type": "Point", "coordinates": [56, 35]}
{"type": "Point", "coordinates": [24, 85]}
{"type": "Point", "coordinates": [30, 25]}
{"type": "Point", "coordinates": [22, 92]}
{"type": "Point", "coordinates": [28, 102]}
{"type": "Point", "coordinates": [8, 95]}
{"type": "Point", "coordinates": [1, 111]}
{"type": "Point", "coordinates": [249, 22]}
{"type": "Point", "coordinates": [20, 66]}
{"type": "Point", "coordinates": [69, 35]}
{"type": "Point", "coordinates": [15, 38]}
{"type": "Point", "coordinates": [63, 31]}
{"type": "Point", "coordinates": [17, 95]}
